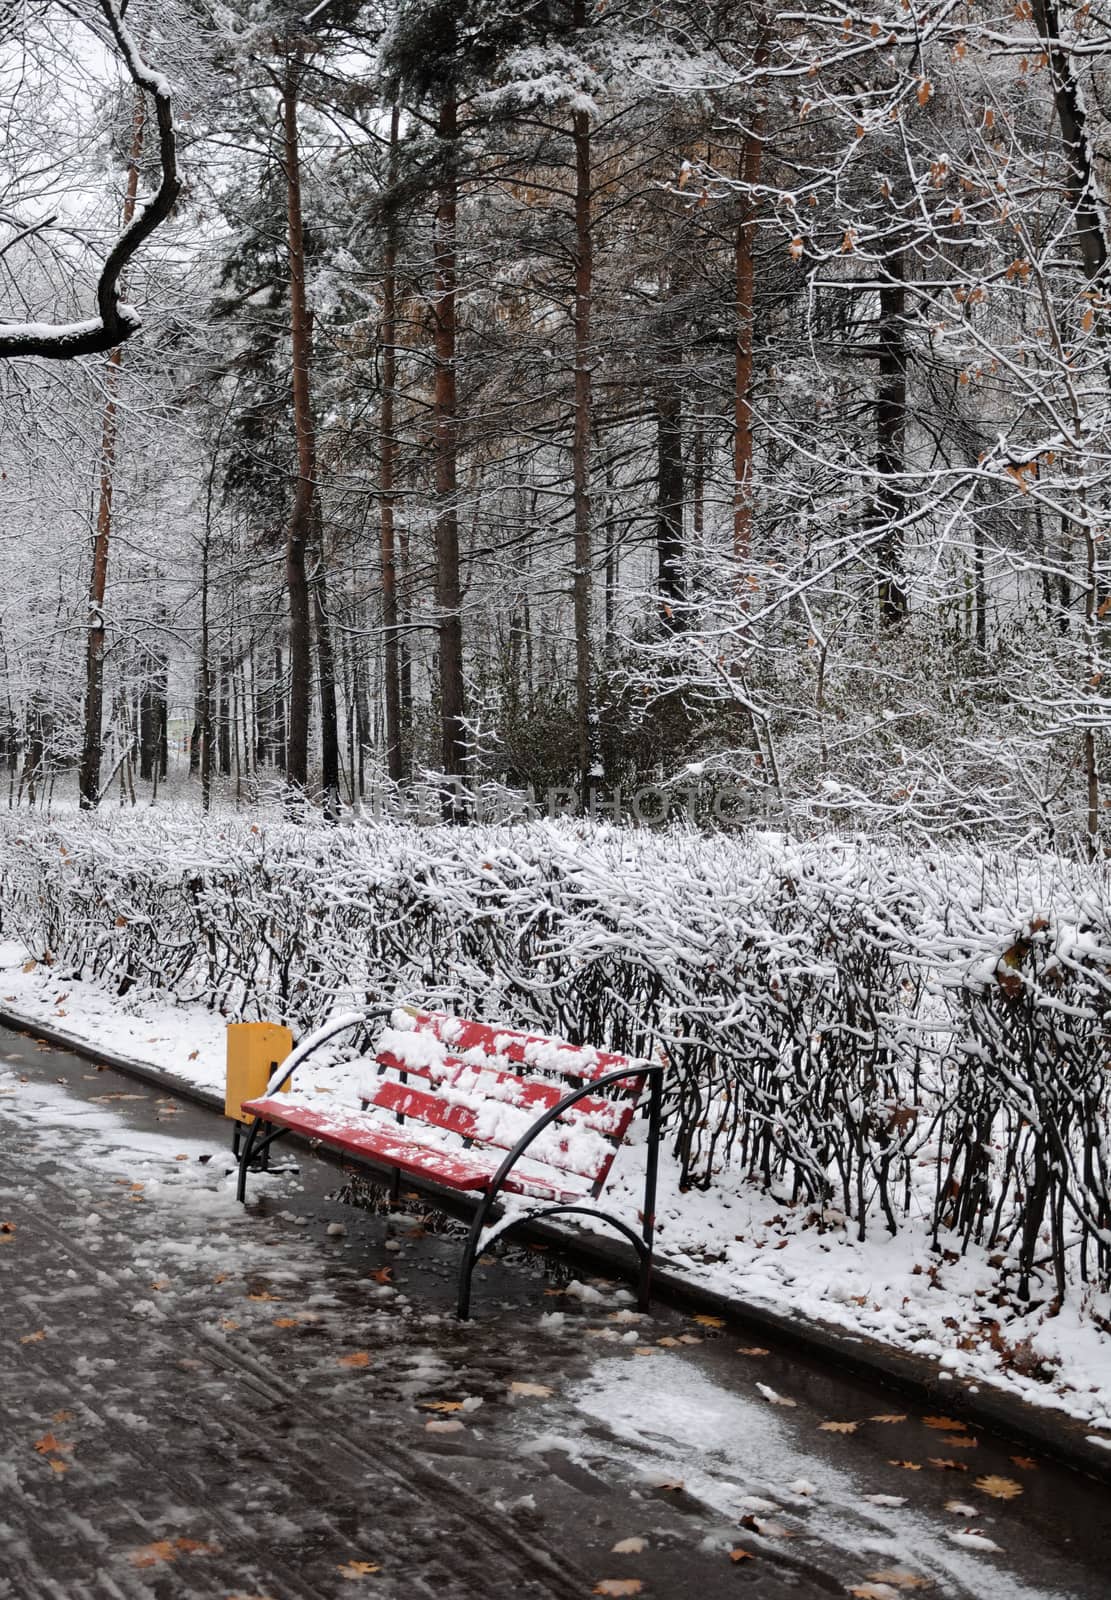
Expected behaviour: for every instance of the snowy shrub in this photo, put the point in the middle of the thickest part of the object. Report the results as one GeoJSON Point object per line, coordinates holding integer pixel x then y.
{"type": "Point", "coordinates": [838, 1017]}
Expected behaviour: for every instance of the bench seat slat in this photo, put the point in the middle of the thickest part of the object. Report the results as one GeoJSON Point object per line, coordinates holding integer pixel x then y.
{"type": "Point", "coordinates": [595, 1111]}
{"type": "Point", "coordinates": [367, 1135]}
{"type": "Point", "coordinates": [535, 1050]}
{"type": "Point", "coordinates": [579, 1149]}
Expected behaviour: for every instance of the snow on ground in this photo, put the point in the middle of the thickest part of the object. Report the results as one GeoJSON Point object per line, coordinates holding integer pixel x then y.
{"type": "Point", "coordinates": [693, 1428]}
{"type": "Point", "coordinates": [733, 1239]}
{"type": "Point", "coordinates": [679, 1420]}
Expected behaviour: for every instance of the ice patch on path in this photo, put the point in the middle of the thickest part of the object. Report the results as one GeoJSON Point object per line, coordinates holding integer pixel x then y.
{"type": "Point", "coordinates": [726, 1447]}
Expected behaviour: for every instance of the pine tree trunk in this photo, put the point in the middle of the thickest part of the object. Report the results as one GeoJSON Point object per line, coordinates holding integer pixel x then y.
{"type": "Point", "coordinates": [395, 764]}
{"type": "Point", "coordinates": [891, 413]}
{"type": "Point", "coordinates": [299, 530]}
{"type": "Point", "coordinates": [669, 501]}
{"type": "Point", "coordinates": [752, 155]}
{"type": "Point", "coordinates": [582, 587]}
{"type": "Point", "coordinates": [326, 672]}
{"type": "Point", "coordinates": [449, 600]}
{"type": "Point", "coordinates": [92, 744]}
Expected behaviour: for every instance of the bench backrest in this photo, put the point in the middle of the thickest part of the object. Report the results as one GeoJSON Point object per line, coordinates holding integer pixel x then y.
{"type": "Point", "coordinates": [490, 1084]}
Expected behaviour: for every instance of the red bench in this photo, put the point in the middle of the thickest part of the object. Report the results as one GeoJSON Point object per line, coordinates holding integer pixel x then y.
{"type": "Point", "coordinates": [476, 1107]}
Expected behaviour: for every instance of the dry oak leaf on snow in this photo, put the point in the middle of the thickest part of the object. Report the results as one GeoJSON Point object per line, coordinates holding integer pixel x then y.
{"type": "Point", "coordinates": [618, 1586]}
{"type": "Point", "coordinates": [357, 1358]}
{"type": "Point", "coordinates": [358, 1569]}
{"type": "Point", "coordinates": [838, 1427]}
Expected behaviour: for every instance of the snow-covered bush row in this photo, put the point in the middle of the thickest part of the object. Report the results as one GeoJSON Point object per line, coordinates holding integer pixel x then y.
{"type": "Point", "coordinates": [864, 1032]}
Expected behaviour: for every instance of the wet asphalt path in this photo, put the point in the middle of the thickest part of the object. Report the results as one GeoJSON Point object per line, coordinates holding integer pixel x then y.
{"type": "Point", "coordinates": [200, 1400]}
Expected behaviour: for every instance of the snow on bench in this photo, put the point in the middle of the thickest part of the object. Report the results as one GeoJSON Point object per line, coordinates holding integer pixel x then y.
{"type": "Point", "coordinates": [473, 1106]}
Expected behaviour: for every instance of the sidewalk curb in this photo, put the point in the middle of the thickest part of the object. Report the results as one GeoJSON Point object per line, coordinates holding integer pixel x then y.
{"type": "Point", "coordinates": [919, 1378]}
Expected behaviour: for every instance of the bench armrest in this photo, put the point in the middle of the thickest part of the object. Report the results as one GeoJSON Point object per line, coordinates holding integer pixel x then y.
{"type": "Point", "coordinates": [328, 1030]}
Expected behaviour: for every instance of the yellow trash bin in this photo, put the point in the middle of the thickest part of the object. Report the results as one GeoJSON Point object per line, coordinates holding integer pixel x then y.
{"type": "Point", "coordinates": [255, 1049]}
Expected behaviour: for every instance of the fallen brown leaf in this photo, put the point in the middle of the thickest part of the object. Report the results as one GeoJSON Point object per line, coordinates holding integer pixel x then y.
{"type": "Point", "coordinates": [706, 1321]}
{"type": "Point", "coordinates": [838, 1427]}
{"type": "Point", "coordinates": [894, 1416]}
{"type": "Point", "coordinates": [357, 1358]}
{"type": "Point", "coordinates": [618, 1586]}
{"type": "Point", "coordinates": [998, 1488]}
{"type": "Point", "coordinates": [751, 1350]}
{"type": "Point", "coordinates": [668, 1342]}
{"type": "Point", "coordinates": [358, 1569]}
{"type": "Point", "coordinates": [1026, 1463]}
{"type": "Point", "coordinates": [900, 1578]}
{"type": "Point", "coordinates": [440, 1405]}
{"type": "Point", "coordinates": [287, 1322]}
{"type": "Point", "coordinates": [49, 1445]}
{"type": "Point", "coordinates": [739, 1553]}
{"type": "Point", "coordinates": [947, 1464]}
{"type": "Point", "coordinates": [34, 1338]}
{"type": "Point", "coordinates": [382, 1274]}
{"type": "Point", "coordinates": [228, 1324]}
{"type": "Point", "coordinates": [539, 1390]}
{"type": "Point", "coordinates": [909, 1466]}
{"type": "Point", "coordinates": [264, 1294]}
{"type": "Point", "coordinates": [946, 1424]}
{"type": "Point", "coordinates": [435, 1425]}
{"type": "Point", "coordinates": [167, 1550]}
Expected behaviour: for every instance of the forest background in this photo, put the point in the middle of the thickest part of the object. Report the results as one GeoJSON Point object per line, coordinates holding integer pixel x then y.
{"type": "Point", "coordinates": [546, 395]}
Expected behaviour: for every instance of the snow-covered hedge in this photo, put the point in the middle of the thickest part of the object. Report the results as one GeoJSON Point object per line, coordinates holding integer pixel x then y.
{"type": "Point", "coordinates": [843, 1022]}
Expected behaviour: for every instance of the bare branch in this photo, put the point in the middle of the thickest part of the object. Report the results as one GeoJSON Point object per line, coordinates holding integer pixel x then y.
{"type": "Point", "coordinates": [115, 321]}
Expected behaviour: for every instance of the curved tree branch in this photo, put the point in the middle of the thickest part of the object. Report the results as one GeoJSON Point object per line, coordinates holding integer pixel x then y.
{"type": "Point", "coordinates": [115, 321]}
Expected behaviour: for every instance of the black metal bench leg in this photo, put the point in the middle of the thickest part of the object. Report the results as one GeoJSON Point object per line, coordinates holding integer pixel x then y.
{"type": "Point", "coordinates": [245, 1159]}
{"type": "Point", "coordinates": [648, 1227]}
{"type": "Point", "coordinates": [470, 1255]}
